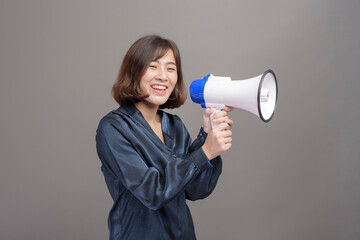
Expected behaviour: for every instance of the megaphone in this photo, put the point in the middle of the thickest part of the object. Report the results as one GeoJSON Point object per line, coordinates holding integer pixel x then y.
{"type": "Point", "coordinates": [257, 95]}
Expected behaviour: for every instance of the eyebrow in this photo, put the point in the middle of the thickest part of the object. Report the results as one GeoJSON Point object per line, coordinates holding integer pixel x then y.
{"type": "Point", "coordinates": [166, 63]}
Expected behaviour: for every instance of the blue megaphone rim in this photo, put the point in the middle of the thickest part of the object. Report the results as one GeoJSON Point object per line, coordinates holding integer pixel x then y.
{"type": "Point", "coordinates": [197, 90]}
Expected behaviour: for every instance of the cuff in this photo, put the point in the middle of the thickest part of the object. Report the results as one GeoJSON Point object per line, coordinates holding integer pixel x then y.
{"type": "Point", "coordinates": [199, 141]}
{"type": "Point", "coordinates": [202, 135]}
{"type": "Point", "coordinates": [199, 158]}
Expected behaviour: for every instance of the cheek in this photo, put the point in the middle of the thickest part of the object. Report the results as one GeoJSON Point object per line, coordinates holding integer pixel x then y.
{"type": "Point", "coordinates": [143, 87]}
{"type": "Point", "coordinates": [145, 79]}
{"type": "Point", "coordinates": [174, 80]}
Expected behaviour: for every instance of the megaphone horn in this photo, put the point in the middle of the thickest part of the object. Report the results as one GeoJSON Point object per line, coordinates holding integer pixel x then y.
{"type": "Point", "coordinates": [257, 95]}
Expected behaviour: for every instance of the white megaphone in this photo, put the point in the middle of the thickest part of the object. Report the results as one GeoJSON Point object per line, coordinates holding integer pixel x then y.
{"type": "Point", "coordinates": [257, 95]}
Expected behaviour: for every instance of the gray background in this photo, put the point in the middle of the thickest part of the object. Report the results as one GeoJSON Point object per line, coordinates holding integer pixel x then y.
{"type": "Point", "coordinates": [297, 177]}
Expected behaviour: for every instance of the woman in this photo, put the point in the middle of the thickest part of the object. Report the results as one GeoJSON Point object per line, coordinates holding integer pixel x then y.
{"type": "Point", "coordinates": [149, 162]}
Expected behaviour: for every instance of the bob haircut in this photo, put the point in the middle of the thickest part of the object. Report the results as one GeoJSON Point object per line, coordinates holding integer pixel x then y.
{"type": "Point", "coordinates": [126, 89]}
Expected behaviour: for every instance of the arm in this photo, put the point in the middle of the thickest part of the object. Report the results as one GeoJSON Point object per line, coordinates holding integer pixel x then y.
{"type": "Point", "coordinates": [203, 185]}
{"type": "Point", "coordinates": [213, 144]}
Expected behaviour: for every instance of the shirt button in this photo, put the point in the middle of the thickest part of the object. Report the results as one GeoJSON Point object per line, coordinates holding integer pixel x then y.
{"type": "Point", "coordinates": [174, 155]}
{"type": "Point", "coordinates": [200, 134]}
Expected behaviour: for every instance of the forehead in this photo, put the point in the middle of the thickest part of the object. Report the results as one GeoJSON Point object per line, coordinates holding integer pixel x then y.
{"type": "Point", "coordinates": [163, 51]}
{"type": "Point", "coordinates": [168, 58]}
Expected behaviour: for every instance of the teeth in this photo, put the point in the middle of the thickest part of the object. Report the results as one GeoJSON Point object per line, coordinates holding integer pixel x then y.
{"type": "Point", "coordinates": [158, 87]}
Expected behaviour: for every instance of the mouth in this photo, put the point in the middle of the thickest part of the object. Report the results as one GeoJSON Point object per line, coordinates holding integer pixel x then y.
{"type": "Point", "coordinates": [160, 89]}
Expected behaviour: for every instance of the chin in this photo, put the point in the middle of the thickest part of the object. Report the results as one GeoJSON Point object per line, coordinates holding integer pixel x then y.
{"type": "Point", "coordinates": [158, 101]}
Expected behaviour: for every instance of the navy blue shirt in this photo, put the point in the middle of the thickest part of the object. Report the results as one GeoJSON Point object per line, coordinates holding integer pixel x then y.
{"type": "Point", "coordinates": [150, 181]}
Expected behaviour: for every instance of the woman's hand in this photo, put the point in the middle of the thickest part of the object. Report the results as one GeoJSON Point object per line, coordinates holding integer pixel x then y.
{"type": "Point", "coordinates": [219, 117]}
{"type": "Point", "coordinates": [219, 138]}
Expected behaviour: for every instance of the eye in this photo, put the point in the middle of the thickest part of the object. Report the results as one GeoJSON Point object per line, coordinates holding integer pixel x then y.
{"type": "Point", "coordinates": [152, 66]}
{"type": "Point", "coordinates": [171, 69]}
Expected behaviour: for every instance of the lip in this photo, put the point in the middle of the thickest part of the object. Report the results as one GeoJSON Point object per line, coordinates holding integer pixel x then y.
{"type": "Point", "coordinates": [159, 88]}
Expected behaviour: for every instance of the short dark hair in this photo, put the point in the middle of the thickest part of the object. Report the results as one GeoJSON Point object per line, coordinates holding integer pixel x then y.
{"type": "Point", "coordinates": [146, 49]}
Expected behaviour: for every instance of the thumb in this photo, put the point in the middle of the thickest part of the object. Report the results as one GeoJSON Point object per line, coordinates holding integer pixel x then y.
{"type": "Point", "coordinates": [208, 112]}
{"type": "Point", "coordinates": [207, 120]}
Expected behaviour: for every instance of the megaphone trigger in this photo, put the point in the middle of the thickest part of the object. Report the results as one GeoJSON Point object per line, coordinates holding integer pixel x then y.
{"type": "Point", "coordinates": [213, 125]}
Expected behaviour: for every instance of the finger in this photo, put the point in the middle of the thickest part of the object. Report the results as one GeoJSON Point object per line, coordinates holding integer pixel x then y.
{"type": "Point", "coordinates": [221, 113]}
{"type": "Point", "coordinates": [230, 122]}
{"type": "Point", "coordinates": [207, 120]}
{"type": "Point", "coordinates": [226, 133]}
{"type": "Point", "coordinates": [209, 111]}
{"type": "Point", "coordinates": [221, 119]}
{"type": "Point", "coordinates": [220, 116]}
{"type": "Point", "coordinates": [222, 127]}
{"type": "Point", "coordinates": [224, 120]}
{"type": "Point", "coordinates": [227, 140]}
{"type": "Point", "coordinates": [228, 146]}
{"type": "Point", "coordinates": [228, 109]}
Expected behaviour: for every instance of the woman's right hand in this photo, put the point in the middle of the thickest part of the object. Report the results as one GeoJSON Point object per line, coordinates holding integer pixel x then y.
{"type": "Point", "coordinates": [218, 140]}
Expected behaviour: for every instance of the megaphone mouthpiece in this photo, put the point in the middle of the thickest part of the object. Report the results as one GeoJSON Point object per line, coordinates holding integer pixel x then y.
{"type": "Point", "coordinates": [197, 90]}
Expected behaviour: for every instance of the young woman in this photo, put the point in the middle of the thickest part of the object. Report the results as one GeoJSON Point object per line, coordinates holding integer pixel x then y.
{"type": "Point", "coordinates": [150, 164]}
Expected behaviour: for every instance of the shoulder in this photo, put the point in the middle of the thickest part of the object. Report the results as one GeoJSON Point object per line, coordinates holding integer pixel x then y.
{"type": "Point", "coordinates": [173, 119]}
{"type": "Point", "coordinates": [174, 125]}
{"type": "Point", "coordinates": [109, 118]}
{"type": "Point", "coordinates": [115, 119]}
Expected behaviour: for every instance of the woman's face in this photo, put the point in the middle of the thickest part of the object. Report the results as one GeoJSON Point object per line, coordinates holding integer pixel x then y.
{"type": "Point", "coordinates": [159, 79]}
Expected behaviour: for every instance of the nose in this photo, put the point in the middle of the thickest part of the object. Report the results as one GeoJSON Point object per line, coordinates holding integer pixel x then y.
{"type": "Point", "coordinates": [162, 74]}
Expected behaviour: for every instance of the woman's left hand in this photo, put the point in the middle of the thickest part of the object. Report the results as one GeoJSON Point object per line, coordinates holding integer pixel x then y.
{"type": "Point", "coordinates": [220, 117]}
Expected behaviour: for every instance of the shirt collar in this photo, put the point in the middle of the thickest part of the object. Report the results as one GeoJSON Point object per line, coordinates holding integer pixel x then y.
{"type": "Point", "coordinates": [131, 111]}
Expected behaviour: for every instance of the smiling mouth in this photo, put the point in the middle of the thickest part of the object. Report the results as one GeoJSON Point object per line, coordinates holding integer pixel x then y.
{"type": "Point", "coordinates": [159, 87]}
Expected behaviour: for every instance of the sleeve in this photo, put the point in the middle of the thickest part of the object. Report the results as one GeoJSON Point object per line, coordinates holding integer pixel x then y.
{"type": "Point", "coordinates": [204, 184]}
{"type": "Point", "coordinates": [145, 182]}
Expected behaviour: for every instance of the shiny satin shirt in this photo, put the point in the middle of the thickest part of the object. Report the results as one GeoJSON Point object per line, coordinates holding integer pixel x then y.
{"type": "Point", "coordinates": [150, 181]}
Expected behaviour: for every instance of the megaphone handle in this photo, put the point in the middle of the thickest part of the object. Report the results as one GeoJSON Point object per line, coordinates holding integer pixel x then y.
{"type": "Point", "coordinates": [211, 117]}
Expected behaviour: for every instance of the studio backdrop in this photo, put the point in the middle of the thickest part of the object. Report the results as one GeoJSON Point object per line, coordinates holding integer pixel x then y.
{"type": "Point", "coordinates": [295, 177]}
